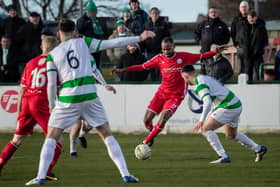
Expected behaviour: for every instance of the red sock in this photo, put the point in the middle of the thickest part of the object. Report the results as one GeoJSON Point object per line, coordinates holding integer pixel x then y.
{"type": "Point", "coordinates": [157, 129]}
{"type": "Point", "coordinates": [57, 153]}
{"type": "Point", "coordinates": [7, 152]}
{"type": "Point", "coordinates": [149, 126]}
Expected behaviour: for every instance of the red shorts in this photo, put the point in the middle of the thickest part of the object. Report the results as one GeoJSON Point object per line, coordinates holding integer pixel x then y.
{"type": "Point", "coordinates": [34, 109]}
{"type": "Point", "coordinates": [163, 101]}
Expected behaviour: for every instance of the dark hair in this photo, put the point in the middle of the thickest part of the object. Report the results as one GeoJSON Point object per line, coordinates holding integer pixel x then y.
{"type": "Point", "coordinates": [188, 69]}
{"type": "Point", "coordinates": [156, 9]}
{"type": "Point", "coordinates": [34, 14]}
{"type": "Point", "coordinates": [47, 31]}
{"type": "Point", "coordinates": [252, 13]}
{"type": "Point", "coordinates": [66, 25]}
{"type": "Point", "coordinates": [167, 40]}
{"type": "Point", "coordinates": [134, 1]}
{"type": "Point", "coordinates": [212, 7]}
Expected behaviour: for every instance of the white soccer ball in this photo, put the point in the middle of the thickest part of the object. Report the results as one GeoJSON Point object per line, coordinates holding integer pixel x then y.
{"type": "Point", "coordinates": [142, 152]}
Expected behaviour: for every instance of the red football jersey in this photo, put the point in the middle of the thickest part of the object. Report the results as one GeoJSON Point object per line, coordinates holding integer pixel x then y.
{"type": "Point", "coordinates": [170, 69]}
{"type": "Point", "coordinates": [34, 77]}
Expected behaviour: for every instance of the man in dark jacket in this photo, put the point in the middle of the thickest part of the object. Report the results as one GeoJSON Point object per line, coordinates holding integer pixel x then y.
{"type": "Point", "coordinates": [152, 46]}
{"type": "Point", "coordinates": [11, 25]}
{"type": "Point", "coordinates": [8, 61]}
{"type": "Point", "coordinates": [218, 67]}
{"type": "Point", "coordinates": [10, 28]}
{"type": "Point", "coordinates": [258, 41]}
{"type": "Point", "coordinates": [138, 15]}
{"type": "Point", "coordinates": [89, 26]}
{"type": "Point", "coordinates": [212, 31]}
{"type": "Point", "coordinates": [240, 37]}
{"type": "Point", "coordinates": [132, 57]}
{"type": "Point", "coordinates": [30, 37]}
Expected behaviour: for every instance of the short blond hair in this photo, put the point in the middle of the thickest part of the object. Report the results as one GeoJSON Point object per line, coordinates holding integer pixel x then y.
{"type": "Point", "coordinates": [48, 43]}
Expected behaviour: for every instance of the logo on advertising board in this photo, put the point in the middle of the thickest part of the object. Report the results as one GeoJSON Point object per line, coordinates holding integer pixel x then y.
{"type": "Point", "coordinates": [9, 101]}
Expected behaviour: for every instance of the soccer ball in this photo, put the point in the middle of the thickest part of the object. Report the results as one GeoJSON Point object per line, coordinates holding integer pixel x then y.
{"type": "Point", "coordinates": [142, 152]}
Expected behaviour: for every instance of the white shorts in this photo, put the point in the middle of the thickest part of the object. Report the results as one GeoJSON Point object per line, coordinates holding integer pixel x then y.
{"type": "Point", "coordinates": [65, 115]}
{"type": "Point", "coordinates": [227, 116]}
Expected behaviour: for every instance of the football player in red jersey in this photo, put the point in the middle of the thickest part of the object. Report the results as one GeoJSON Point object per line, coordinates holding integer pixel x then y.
{"type": "Point", "coordinates": [33, 104]}
{"type": "Point", "coordinates": [172, 89]}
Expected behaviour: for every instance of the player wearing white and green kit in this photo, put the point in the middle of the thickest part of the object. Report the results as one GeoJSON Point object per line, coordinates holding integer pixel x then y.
{"type": "Point", "coordinates": [226, 110]}
{"type": "Point", "coordinates": [72, 63]}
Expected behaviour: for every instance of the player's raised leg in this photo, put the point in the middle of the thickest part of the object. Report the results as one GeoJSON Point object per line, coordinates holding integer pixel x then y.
{"type": "Point", "coordinates": [165, 116]}
{"type": "Point", "coordinates": [244, 140]}
{"type": "Point", "coordinates": [115, 152]}
{"type": "Point", "coordinates": [85, 128]}
{"type": "Point", "coordinates": [73, 137]}
{"type": "Point", "coordinates": [148, 120]}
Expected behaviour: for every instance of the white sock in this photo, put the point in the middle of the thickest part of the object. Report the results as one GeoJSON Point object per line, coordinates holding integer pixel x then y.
{"type": "Point", "coordinates": [73, 144]}
{"type": "Point", "coordinates": [116, 155]}
{"type": "Point", "coordinates": [82, 132]}
{"type": "Point", "coordinates": [46, 157]}
{"type": "Point", "coordinates": [215, 143]}
{"type": "Point", "coordinates": [247, 142]}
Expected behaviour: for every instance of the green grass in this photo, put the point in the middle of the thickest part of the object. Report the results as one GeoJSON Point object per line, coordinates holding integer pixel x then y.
{"type": "Point", "coordinates": [177, 160]}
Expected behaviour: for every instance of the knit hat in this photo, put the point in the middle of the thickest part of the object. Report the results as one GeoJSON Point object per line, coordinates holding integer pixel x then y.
{"type": "Point", "coordinates": [91, 7]}
{"type": "Point", "coordinates": [11, 6]}
{"type": "Point", "coordinates": [125, 10]}
{"type": "Point", "coordinates": [120, 22]}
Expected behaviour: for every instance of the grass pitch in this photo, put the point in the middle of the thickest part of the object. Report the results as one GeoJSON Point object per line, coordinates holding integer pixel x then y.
{"type": "Point", "coordinates": [177, 160]}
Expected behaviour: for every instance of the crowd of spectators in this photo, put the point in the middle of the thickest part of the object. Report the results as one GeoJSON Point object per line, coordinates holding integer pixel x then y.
{"type": "Point", "coordinates": [20, 41]}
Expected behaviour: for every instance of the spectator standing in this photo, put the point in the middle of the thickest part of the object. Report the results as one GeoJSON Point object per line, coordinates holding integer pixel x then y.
{"type": "Point", "coordinates": [133, 56]}
{"type": "Point", "coordinates": [132, 26]}
{"type": "Point", "coordinates": [9, 28]}
{"type": "Point", "coordinates": [114, 54]}
{"type": "Point", "coordinates": [30, 36]}
{"type": "Point", "coordinates": [8, 68]}
{"type": "Point", "coordinates": [138, 15]}
{"type": "Point", "coordinates": [218, 67]}
{"type": "Point", "coordinates": [211, 31]}
{"type": "Point", "coordinates": [240, 37]}
{"type": "Point", "coordinates": [12, 24]}
{"type": "Point", "coordinates": [258, 41]}
{"type": "Point", "coordinates": [89, 26]}
{"type": "Point", "coordinates": [158, 25]}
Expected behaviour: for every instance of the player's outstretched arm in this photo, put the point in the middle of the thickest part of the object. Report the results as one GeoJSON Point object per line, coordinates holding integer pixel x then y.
{"type": "Point", "coordinates": [122, 41]}
{"type": "Point", "coordinates": [118, 70]}
{"type": "Point", "coordinates": [146, 34]}
{"type": "Point", "coordinates": [98, 76]}
{"type": "Point", "coordinates": [221, 48]}
{"type": "Point", "coordinates": [111, 88]}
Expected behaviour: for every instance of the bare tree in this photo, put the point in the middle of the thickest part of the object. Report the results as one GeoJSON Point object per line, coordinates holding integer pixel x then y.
{"type": "Point", "coordinates": [55, 9]}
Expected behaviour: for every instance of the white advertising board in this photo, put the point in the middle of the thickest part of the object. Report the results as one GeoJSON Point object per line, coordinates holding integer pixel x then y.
{"type": "Point", "coordinates": [126, 109]}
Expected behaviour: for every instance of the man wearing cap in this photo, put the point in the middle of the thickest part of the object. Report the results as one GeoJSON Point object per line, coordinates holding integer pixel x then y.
{"type": "Point", "coordinates": [120, 31]}
{"type": "Point", "coordinates": [89, 26]}
{"type": "Point", "coordinates": [240, 36]}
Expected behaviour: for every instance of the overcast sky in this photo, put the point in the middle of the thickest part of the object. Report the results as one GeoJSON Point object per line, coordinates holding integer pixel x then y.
{"type": "Point", "coordinates": [177, 10]}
